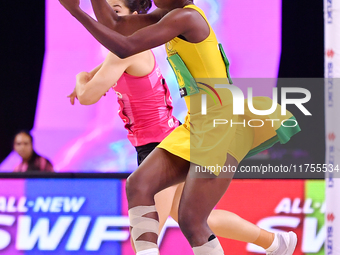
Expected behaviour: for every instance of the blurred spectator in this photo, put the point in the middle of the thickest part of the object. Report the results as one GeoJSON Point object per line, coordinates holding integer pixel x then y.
{"type": "Point", "coordinates": [31, 161]}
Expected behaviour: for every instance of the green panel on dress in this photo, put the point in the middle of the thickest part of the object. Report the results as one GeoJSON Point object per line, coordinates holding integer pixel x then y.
{"type": "Point", "coordinates": [283, 135]}
{"type": "Point", "coordinates": [186, 83]}
{"type": "Point", "coordinates": [226, 62]}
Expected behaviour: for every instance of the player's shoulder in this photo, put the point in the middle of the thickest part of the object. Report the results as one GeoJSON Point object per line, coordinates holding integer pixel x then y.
{"type": "Point", "coordinates": [182, 14]}
{"type": "Point", "coordinates": [158, 13]}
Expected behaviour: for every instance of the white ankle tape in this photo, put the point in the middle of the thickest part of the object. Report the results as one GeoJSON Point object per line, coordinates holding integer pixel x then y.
{"type": "Point", "coordinates": [141, 225]}
{"type": "Point", "coordinates": [153, 251]}
{"type": "Point", "coordinates": [212, 247]}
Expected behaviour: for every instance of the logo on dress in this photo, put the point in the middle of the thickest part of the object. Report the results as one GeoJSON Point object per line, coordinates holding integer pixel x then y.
{"type": "Point", "coordinates": [177, 72]}
{"type": "Point", "coordinates": [119, 94]}
{"type": "Point", "coordinates": [158, 72]}
{"type": "Point", "coordinates": [171, 122]}
{"type": "Point", "coordinates": [170, 48]}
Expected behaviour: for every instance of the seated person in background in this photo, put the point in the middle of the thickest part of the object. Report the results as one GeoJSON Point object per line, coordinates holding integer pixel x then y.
{"type": "Point", "coordinates": [31, 161]}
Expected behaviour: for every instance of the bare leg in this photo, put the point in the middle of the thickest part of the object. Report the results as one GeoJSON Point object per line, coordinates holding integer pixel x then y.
{"type": "Point", "coordinates": [199, 197]}
{"type": "Point", "coordinates": [233, 226]}
{"type": "Point", "coordinates": [229, 225]}
{"type": "Point", "coordinates": [163, 202]}
{"type": "Point", "coordinates": [176, 200]}
{"type": "Point", "coordinates": [158, 171]}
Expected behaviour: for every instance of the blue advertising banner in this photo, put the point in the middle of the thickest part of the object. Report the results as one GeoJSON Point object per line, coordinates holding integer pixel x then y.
{"type": "Point", "coordinates": [61, 216]}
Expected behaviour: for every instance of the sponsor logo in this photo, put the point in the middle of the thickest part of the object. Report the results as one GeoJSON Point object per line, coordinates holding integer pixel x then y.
{"type": "Point", "coordinates": [331, 160]}
{"type": "Point", "coordinates": [329, 11]}
{"type": "Point", "coordinates": [171, 122]}
{"type": "Point", "coordinates": [170, 48]}
{"type": "Point", "coordinates": [330, 217]}
{"type": "Point", "coordinates": [330, 92]}
{"type": "Point", "coordinates": [331, 137]}
{"type": "Point", "coordinates": [158, 72]}
{"type": "Point", "coordinates": [49, 220]}
{"type": "Point", "coordinates": [183, 92]}
{"type": "Point", "coordinates": [119, 94]}
{"type": "Point", "coordinates": [330, 70]}
{"type": "Point", "coordinates": [330, 85]}
{"type": "Point", "coordinates": [330, 53]}
{"type": "Point", "coordinates": [329, 241]}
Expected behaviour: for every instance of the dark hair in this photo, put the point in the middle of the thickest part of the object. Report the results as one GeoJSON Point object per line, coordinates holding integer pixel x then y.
{"type": "Point", "coordinates": [32, 165]}
{"type": "Point", "coordinates": [24, 131]}
{"type": "Point", "coordinates": [140, 6]}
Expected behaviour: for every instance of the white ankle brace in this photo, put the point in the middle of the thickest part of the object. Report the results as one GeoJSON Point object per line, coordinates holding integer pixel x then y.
{"type": "Point", "coordinates": [212, 247]}
{"type": "Point", "coordinates": [152, 251]}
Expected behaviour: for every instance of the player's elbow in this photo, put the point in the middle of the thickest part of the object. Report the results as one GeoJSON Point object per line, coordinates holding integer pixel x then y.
{"type": "Point", "coordinates": [127, 50]}
{"type": "Point", "coordinates": [124, 53]}
{"type": "Point", "coordinates": [85, 99]}
{"type": "Point", "coordinates": [85, 102]}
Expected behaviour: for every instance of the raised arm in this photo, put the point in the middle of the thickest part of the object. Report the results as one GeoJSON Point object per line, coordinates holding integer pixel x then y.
{"type": "Point", "coordinates": [104, 13]}
{"type": "Point", "coordinates": [176, 22]}
{"type": "Point", "coordinates": [87, 76]}
{"type": "Point", "coordinates": [127, 24]}
{"type": "Point", "coordinates": [90, 89]}
{"type": "Point", "coordinates": [95, 70]}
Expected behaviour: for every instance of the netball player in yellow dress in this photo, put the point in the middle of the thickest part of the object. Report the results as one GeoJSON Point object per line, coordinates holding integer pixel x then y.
{"type": "Point", "coordinates": [197, 142]}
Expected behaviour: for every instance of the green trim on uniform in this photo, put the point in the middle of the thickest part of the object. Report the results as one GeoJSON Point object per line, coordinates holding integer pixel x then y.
{"type": "Point", "coordinates": [283, 135]}
{"type": "Point", "coordinates": [226, 62]}
{"type": "Point", "coordinates": [186, 83]}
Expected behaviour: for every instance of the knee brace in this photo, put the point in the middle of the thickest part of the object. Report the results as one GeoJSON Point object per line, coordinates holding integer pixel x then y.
{"type": "Point", "coordinates": [141, 225]}
{"type": "Point", "coordinates": [212, 247]}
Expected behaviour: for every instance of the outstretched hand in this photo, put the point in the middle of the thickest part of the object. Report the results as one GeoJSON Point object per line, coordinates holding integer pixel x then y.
{"type": "Point", "coordinates": [70, 5]}
{"type": "Point", "coordinates": [72, 96]}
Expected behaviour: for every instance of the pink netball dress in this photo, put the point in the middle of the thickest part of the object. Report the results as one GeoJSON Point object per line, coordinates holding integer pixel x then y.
{"type": "Point", "coordinates": [145, 107]}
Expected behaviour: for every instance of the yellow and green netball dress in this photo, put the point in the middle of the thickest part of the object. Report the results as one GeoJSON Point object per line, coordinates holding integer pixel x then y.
{"type": "Point", "coordinates": [198, 67]}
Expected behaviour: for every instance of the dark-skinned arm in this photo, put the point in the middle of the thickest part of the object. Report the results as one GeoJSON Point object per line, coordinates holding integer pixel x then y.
{"type": "Point", "coordinates": [173, 24]}
{"type": "Point", "coordinates": [104, 13]}
{"type": "Point", "coordinates": [125, 25]}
